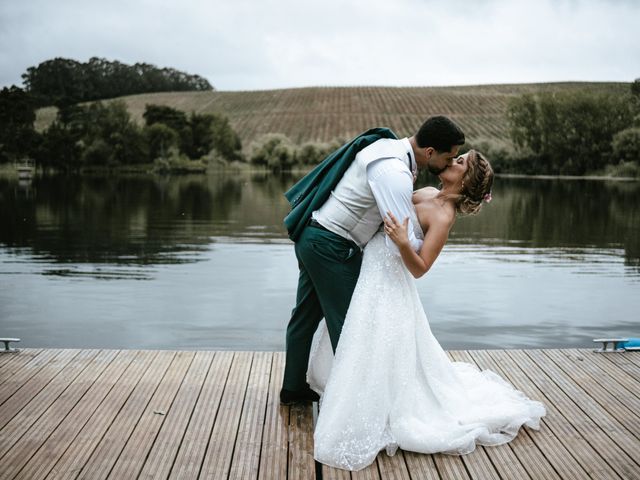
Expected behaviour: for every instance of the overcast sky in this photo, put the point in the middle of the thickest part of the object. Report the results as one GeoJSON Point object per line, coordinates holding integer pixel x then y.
{"type": "Point", "coordinates": [262, 44]}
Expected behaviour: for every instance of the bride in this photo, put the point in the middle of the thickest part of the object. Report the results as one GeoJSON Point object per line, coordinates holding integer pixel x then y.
{"type": "Point", "coordinates": [390, 384]}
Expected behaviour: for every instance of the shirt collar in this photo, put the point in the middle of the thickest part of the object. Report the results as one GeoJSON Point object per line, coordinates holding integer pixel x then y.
{"type": "Point", "coordinates": [413, 166]}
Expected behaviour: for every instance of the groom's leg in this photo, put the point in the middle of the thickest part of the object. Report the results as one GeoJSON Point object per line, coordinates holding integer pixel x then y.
{"type": "Point", "coordinates": [304, 321]}
{"type": "Point", "coordinates": [333, 265]}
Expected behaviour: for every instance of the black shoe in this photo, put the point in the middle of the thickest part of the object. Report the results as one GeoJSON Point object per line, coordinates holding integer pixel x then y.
{"type": "Point", "coordinates": [289, 397]}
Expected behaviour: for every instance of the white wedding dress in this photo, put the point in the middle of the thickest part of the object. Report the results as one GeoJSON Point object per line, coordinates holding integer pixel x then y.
{"type": "Point", "coordinates": [392, 385]}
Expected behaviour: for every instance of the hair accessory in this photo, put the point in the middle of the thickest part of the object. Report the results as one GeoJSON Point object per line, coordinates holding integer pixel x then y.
{"type": "Point", "coordinates": [487, 197]}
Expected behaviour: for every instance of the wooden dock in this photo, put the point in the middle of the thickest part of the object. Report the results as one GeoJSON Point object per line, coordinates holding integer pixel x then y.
{"type": "Point", "coordinates": [125, 414]}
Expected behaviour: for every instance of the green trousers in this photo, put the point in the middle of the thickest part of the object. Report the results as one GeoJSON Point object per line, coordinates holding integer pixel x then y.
{"type": "Point", "coordinates": [329, 268]}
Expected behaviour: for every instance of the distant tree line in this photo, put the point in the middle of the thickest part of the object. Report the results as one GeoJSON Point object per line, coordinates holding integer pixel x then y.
{"type": "Point", "coordinates": [574, 133]}
{"type": "Point", "coordinates": [63, 81]}
{"type": "Point", "coordinates": [102, 134]}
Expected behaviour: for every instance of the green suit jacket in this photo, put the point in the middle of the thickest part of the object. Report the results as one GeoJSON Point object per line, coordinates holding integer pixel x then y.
{"type": "Point", "coordinates": [314, 188]}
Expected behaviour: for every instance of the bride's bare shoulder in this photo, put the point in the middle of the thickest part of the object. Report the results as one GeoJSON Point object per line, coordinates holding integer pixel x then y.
{"type": "Point", "coordinates": [432, 211]}
{"type": "Point", "coordinates": [424, 194]}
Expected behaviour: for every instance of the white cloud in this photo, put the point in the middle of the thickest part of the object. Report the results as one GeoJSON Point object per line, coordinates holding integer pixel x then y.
{"type": "Point", "coordinates": [251, 44]}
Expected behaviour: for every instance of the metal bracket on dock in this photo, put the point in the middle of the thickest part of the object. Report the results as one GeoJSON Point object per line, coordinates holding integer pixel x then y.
{"type": "Point", "coordinates": [605, 343]}
{"type": "Point", "coordinates": [7, 348]}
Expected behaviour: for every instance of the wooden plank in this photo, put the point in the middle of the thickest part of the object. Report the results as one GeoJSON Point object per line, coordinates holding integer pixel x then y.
{"type": "Point", "coordinates": [570, 453]}
{"type": "Point", "coordinates": [191, 454]}
{"type": "Point", "coordinates": [246, 455]}
{"type": "Point", "coordinates": [541, 453]}
{"type": "Point", "coordinates": [617, 460]}
{"type": "Point", "coordinates": [371, 472]}
{"type": "Point", "coordinates": [167, 443]}
{"type": "Point", "coordinates": [91, 416]}
{"type": "Point", "coordinates": [25, 407]}
{"type": "Point", "coordinates": [491, 462]}
{"type": "Point", "coordinates": [40, 464]}
{"type": "Point", "coordinates": [525, 449]}
{"type": "Point", "coordinates": [43, 367]}
{"type": "Point", "coordinates": [393, 468]}
{"type": "Point", "coordinates": [621, 361]}
{"type": "Point", "coordinates": [623, 404]}
{"type": "Point", "coordinates": [83, 375]}
{"type": "Point", "coordinates": [4, 359]}
{"type": "Point", "coordinates": [450, 467]}
{"type": "Point", "coordinates": [633, 357]}
{"type": "Point", "coordinates": [301, 461]}
{"type": "Point", "coordinates": [106, 453]}
{"type": "Point", "coordinates": [612, 426]}
{"type": "Point", "coordinates": [330, 473]}
{"type": "Point", "coordinates": [132, 458]}
{"type": "Point", "coordinates": [217, 460]}
{"type": "Point", "coordinates": [598, 366]}
{"type": "Point", "coordinates": [13, 362]}
{"type": "Point", "coordinates": [275, 441]}
{"type": "Point", "coordinates": [421, 466]}
{"type": "Point", "coordinates": [77, 453]}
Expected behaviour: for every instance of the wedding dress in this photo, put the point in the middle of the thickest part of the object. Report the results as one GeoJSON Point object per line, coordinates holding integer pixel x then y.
{"type": "Point", "coordinates": [391, 385]}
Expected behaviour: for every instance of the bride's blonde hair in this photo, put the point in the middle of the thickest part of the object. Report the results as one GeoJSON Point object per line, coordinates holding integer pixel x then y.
{"type": "Point", "coordinates": [476, 184]}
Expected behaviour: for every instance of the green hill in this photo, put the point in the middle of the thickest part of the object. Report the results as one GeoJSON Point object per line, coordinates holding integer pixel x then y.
{"type": "Point", "coordinates": [324, 113]}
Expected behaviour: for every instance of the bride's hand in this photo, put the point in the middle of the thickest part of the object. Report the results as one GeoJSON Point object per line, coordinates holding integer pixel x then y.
{"type": "Point", "coordinates": [396, 231]}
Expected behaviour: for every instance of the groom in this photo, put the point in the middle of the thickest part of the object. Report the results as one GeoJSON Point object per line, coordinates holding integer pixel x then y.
{"type": "Point", "coordinates": [336, 210]}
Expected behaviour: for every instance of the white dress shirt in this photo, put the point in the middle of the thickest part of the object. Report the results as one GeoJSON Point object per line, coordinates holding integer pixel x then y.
{"type": "Point", "coordinates": [391, 181]}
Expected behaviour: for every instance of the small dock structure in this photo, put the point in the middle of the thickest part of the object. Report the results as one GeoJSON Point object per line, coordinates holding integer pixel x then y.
{"type": "Point", "coordinates": [25, 169]}
{"type": "Point", "coordinates": [140, 414]}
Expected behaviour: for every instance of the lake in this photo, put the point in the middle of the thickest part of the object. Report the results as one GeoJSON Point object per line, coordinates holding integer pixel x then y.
{"type": "Point", "coordinates": [203, 262]}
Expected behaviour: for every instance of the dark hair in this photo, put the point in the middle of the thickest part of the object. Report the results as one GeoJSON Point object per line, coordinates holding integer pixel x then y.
{"type": "Point", "coordinates": [440, 133]}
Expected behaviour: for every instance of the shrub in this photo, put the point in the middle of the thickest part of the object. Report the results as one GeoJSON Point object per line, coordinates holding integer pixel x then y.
{"type": "Point", "coordinates": [273, 150]}
{"type": "Point", "coordinates": [626, 145]}
{"type": "Point", "coordinates": [176, 162]}
{"type": "Point", "coordinates": [98, 153]}
{"type": "Point", "coordinates": [624, 169]}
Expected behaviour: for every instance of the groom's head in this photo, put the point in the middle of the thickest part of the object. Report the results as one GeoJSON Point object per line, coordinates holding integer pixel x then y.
{"type": "Point", "coordinates": [438, 142]}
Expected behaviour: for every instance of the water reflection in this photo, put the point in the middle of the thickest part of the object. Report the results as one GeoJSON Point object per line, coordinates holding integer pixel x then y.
{"type": "Point", "coordinates": [204, 262]}
{"type": "Point", "coordinates": [156, 220]}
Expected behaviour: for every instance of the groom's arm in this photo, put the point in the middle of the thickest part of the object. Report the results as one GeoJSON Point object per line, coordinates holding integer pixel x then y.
{"type": "Point", "coordinates": [392, 185]}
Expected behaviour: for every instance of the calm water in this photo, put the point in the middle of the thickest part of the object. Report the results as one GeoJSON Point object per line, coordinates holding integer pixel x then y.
{"type": "Point", "coordinates": [204, 262]}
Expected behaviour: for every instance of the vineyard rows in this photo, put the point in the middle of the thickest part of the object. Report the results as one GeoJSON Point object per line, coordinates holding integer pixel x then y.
{"type": "Point", "coordinates": [322, 114]}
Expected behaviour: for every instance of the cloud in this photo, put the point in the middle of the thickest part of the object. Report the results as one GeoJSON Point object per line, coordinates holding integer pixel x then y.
{"type": "Point", "coordinates": [250, 44]}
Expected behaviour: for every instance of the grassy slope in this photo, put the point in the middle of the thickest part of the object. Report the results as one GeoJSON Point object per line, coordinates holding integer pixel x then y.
{"type": "Point", "coordinates": [324, 113]}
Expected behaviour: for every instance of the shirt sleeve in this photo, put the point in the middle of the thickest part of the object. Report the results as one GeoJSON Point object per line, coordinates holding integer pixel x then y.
{"type": "Point", "coordinates": [392, 185]}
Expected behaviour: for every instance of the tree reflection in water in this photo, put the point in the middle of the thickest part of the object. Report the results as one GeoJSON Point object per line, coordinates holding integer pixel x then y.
{"type": "Point", "coordinates": [145, 220]}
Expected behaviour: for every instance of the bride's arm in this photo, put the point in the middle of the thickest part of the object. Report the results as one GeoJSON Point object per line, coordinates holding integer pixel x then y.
{"type": "Point", "coordinates": [435, 238]}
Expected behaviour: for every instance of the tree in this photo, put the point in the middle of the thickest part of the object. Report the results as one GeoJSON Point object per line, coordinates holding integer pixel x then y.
{"type": "Point", "coordinates": [198, 133]}
{"type": "Point", "coordinates": [160, 139]}
{"type": "Point", "coordinates": [569, 133]}
{"type": "Point", "coordinates": [225, 139]}
{"type": "Point", "coordinates": [17, 114]}
{"type": "Point", "coordinates": [97, 134]}
{"type": "Point", "coordinates": [63, 81]}
{"type": "Point", "coordinates": [61, 147]}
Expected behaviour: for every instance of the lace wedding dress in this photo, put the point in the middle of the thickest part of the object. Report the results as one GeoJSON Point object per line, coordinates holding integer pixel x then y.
{"type": "Point", "coordinates": [392, 385]}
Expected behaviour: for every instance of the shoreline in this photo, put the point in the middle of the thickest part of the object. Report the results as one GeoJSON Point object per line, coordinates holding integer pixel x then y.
{"type": "Point", "coordinates": [7, 171]}
{"type": "Point", "coordinates": [567, 177]}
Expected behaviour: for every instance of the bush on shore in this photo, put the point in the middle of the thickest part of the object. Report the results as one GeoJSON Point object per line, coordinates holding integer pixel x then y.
{"type": "Point", "coordinates": [277, 152]}
{"type": "Point", "coordinates": [571, 133]}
